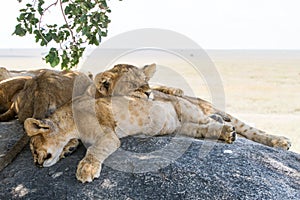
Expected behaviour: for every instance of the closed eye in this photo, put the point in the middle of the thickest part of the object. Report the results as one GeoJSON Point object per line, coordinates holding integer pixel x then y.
{"type": "Point", "coordinates": [48, 156]}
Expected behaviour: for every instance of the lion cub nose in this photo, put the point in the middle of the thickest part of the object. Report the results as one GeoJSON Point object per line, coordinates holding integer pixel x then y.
{"type": "Point", "coordinates": [40, 161]}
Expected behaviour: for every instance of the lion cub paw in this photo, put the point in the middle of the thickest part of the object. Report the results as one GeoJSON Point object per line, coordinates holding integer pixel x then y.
{"type": "Point", "coordinates": [69, 148]}
{"type": "Point", "coordinates": [281, 142]}
{"type": "Point", "coordinates": [169, 90]}
{"type": "Point", "coordinates": [88, 169]}
{"type": "Point", "coordinates": [177, 92]}
{"type": "Point", "coordinates": [228, 133]}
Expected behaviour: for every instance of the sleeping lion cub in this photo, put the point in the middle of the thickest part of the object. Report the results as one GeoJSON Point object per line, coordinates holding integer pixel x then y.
{"type": "Point", "coordinates": [100, 122]}
{"type": "Point", "coordinates": [40, 95]}
{"type": "Point", "coordinates": [36, 94]}
{"type": "Point", "coordinates": [123, 79]}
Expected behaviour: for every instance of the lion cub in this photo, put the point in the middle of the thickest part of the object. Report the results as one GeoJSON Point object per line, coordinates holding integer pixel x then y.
{"type": "Point", "coordinates": [123, 79]}
{"type": "Point", "coordinates": [38, 95]}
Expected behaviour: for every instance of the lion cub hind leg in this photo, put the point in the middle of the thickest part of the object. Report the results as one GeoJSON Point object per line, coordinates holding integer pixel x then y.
{"type": "Point", "coordinates": [280, 142]}
{"type": "Point", "coordinates": [259, 136]}
{"type": "Point", "coordinates": [212, 130]}
{"type": "Point", "coordinates": [89, 167]}
{"type": "Point", "coordinates": [217, 117]}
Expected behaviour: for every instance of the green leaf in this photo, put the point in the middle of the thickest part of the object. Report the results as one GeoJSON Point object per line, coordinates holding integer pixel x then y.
{"type": "Point", "coordinates": [68, 10]}
{"type": "Point", "coordinates": [87, 23]}
{"type": "Point", "coordinates": [52, 57]}
{"type": "Point", "coordinates": [19, 30]}
{"type": "Point", "coordinates": [103, 33]}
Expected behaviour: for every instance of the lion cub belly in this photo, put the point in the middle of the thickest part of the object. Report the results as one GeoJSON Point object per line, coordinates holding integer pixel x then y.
{"type": "Point", "coordinates": [144, 116]}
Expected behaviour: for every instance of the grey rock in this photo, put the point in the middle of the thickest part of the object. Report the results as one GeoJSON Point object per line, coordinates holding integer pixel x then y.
{"type": "Point", "coordinates": [10, 132]}
{"type": "Point", "coordinates": [182, 168]}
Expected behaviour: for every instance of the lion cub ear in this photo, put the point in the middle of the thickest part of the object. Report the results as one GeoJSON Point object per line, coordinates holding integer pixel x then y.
{"type": "Point", "coordinates": [149, 70]}
{"type": "Point", "coordinates": [34, 127]}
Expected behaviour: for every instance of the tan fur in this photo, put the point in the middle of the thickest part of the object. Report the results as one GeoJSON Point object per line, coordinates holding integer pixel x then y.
{"type": "Point", "coordinates": [38, 97]}
{"type": "Point", "coordinates": [242, 128]}
{"type": "Point", "coordinates": [99, 123]}
{"type": "Point", "coordinates": [169, 90]}
{"type": "Point", "coordinates": [11, 83]}
{"type": "Point", "coordinates": [101, 132]}
{"type": "Point", "coordinates": [42, 94]}
{"type": "Point", "coordinates": [4, 74]}
{"type": "Point", "coordinates": [206, 107]}
{"type": "Point", "coordinates": [115, 82]}
{"type": "Point", "coordinates": [9, 89]}
{"type": "Point", "coordinates": [31, 73]}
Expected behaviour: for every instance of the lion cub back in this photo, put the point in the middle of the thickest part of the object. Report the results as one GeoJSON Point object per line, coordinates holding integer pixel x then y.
{"type": "Point", "coordinates": [49, 90]}
{"type": "Point", "coordinates": [4, 74]}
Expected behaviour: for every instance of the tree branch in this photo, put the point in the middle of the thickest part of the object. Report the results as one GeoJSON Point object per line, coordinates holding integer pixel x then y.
{"type": "Point", "coordinates": [41, 17]}
{"type": "Point", "coordinates": [65, 19]}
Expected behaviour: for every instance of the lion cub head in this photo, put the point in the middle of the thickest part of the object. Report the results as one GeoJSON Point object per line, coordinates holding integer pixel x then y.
{"type": "Point", "coordinates": [47, 141]}
{"type": "Point", "coordinates": [125, 80]}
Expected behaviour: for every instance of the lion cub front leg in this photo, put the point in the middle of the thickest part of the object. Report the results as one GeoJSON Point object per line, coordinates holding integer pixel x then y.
{"type": "Point", "coordinates": [89, 167]}
{"type": "Point", "coordinates": [169, 90]}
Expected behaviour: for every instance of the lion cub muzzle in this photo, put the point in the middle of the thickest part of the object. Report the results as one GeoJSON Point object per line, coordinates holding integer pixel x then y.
{"type": "Point", "coordinates": [39, 155]}
{"type": "Point", "coordinates": [39, 162]}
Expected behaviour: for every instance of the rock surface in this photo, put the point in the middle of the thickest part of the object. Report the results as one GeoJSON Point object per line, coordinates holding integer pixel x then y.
{"type": "Point", "coordinates": [182, 168]}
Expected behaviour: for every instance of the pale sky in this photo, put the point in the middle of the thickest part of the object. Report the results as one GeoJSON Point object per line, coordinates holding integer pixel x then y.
{"type": "Point", "coordinates": [213, 24]}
